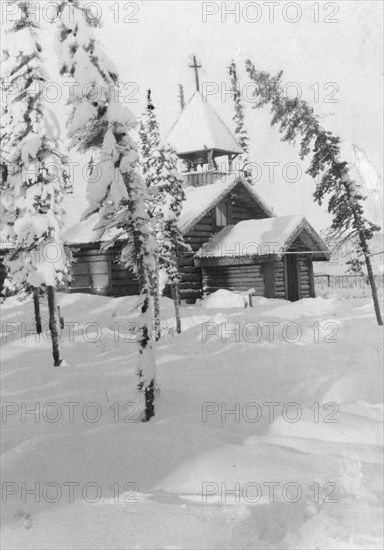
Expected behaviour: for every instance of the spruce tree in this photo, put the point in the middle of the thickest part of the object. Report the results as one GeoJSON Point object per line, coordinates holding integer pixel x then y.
{"type": "Point", "coordinates": [165, 187]}
{"type": "Point", "coordinates": [238, 118]}
{"type": "Point", "coordinates": [33, 184]}
{"type": "Point", "coordinates": [100, 125]}
{"type": "Point", "coordinates": [171, 241]}
{"type": "Point", "coordinates": [296, 121]}
{"type": "Point", "coordinates": [181, 97]}
{"type": "Point", "coordinates": [150, 140]}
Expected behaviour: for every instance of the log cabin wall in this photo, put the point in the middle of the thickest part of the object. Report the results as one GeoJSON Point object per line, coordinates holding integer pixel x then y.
{"type": "Point", "coordinates": [98, 272]}
{"type": "Point", "coordinates": [123, 281]}
{"type": "Point", "coordinates": [90, 270]}
{"type": "Point", "coordinates": [279, 290]}
{"type": "Point", "coordinates": [238, 278]}
{"type": "Point", "coordinates": [191, 286]}
{"type": "Point", "coordinates": [305, 269]}
{"type": "Point", "coordinates": [239, 206]}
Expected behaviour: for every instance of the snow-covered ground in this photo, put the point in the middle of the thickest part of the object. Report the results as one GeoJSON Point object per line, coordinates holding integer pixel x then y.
{"type": "Point", "coordinates": [300, 458]}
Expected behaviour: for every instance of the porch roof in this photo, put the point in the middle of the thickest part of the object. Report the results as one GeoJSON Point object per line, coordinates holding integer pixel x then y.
{"type": "Point", "coordinates": [264, 237]}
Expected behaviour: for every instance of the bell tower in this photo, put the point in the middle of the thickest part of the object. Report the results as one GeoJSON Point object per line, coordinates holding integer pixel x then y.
{"type": "Point", "coordinates": [202, 140]}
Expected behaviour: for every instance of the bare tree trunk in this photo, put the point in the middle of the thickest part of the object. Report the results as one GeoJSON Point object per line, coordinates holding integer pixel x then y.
{"type": "Point", "coordinates": [176, 302]}
{"type": "Point", "coordinates": [51, 292]}
{"type": "Point", "coordinates": [36, 303]}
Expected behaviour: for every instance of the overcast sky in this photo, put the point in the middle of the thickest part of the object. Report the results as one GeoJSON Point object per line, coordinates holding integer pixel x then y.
{"type": "Point", "coordinates": [330, 50]}
{"type": "Point", "coordinates": [344, 56]}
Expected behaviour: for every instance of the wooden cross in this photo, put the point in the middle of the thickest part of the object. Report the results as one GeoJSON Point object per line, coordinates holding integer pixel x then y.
{"type": "Point", "coordinates": [196, 67]}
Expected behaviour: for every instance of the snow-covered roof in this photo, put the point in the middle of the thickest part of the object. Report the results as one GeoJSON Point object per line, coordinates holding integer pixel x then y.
{"type": "Point", "coordinates": [263, 237]}
{"type": "Point", "coordinates": [78, 231]}
{"type": "Point", "coordinates": [199, 128]}
{"type": "Point", "coordinates": [200, 200]}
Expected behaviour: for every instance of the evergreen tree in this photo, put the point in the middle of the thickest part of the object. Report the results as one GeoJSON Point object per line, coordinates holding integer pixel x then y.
{"type": "Point", "coordinates": [181, 97]}
{"type": "Point", "coordinates": [33, 184]}
{"type": "Point", "coordinates": [165, 186]}
{"type": "Point", "coordinates": [150, 141]}
{"type": "Point", "coordinates": [99, 124]}
{"type": "Point", "coordinates": [171, 241]}
{"type": "Point", "coordinates": [296, 120]}
{"type": "Point", "coordinates": [241, 133]}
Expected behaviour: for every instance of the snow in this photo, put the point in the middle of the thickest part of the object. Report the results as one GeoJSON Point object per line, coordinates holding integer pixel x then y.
{"type": "Point", "coordinates": [171, 457]}
{"type": "Point", "coordinates": [224, 299]}
{"type": "Point", "coordinates": [199, 127]}
{"type": "Point", "coordinates": [198, 201]}
{"type": "Point", "coordinates": [257, 237]}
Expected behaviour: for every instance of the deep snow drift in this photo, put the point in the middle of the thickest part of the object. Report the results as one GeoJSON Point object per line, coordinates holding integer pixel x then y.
{"type": "Point", "coordinates": [299, 456]}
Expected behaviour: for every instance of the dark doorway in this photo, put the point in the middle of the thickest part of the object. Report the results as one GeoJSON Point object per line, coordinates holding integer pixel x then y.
{"type": "Point", "coordinates": [292, 278]}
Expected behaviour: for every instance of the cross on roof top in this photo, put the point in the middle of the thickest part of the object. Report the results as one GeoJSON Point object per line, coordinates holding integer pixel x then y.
{"type": "Point", "coordinates": [196, 67]}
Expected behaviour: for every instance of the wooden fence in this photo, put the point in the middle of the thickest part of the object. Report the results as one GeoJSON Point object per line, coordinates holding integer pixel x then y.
{"type": "Point", "coordinates": [322, 282]}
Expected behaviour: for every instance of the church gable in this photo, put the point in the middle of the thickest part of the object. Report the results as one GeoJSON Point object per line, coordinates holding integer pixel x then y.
{"type": "Point", "coordinates": [245, 206]}
{"type": "Point", "coordinates": [237, 199]}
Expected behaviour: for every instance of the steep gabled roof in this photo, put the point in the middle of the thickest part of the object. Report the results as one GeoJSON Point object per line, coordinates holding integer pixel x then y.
{"type": "Point", "coordinates": [200, 200]}
{"type": "Point", "coordinates": [199, 128]}
{"type": "Point", "coordinates": [263, 237]}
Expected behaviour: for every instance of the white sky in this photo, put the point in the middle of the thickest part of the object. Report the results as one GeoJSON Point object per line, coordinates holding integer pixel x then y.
{"type": "Point", "coordinates": [155, 52]}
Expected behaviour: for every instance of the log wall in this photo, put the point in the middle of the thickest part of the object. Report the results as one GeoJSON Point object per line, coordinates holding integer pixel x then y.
{"type": "Point", "coordinates": [305, 269]}
{"type": "Point", "coordinates": [279, 280]}
{"type": "Point", "coordinates": [241, 206]}
{"type": "Point", "coordinates": [98, 272]}
{"type": "Point", "coordinates": [191, 286]}
{"type": "Point", "coordinates": [234, 277]}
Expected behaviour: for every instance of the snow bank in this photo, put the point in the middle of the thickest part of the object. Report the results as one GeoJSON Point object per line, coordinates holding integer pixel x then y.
{"type": "Point", "coordinates": [173, 456]}
{"type": "Point", "coordinates": [224, 299]}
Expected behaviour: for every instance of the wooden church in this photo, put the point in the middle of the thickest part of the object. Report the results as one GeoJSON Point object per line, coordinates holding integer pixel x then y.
{"type": "Point", "coordinates": [237, 242]}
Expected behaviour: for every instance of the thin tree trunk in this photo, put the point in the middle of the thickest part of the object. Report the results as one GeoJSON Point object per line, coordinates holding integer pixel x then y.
{"type": "Point", "coordinates": [147, 356]}
{"type": "Point", "coordinates": [156, 304]}
{"type": "Point", "coordinates": [146, 369]}
{"type": "Point", "coordinates": [371, 278]}
{"type": "Point", "coordinates": [176, 302]}
{"type": "Point", "coordinates": [57, 360]}
{"type": "Point", "coordinates": [150, 401]}
{"type": "Point", "coordinates": [36, 303]}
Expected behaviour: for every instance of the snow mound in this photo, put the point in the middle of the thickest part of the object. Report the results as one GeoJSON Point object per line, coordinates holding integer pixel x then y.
{"type": "Point", "coordinates": [351, 389]}
{"type": "Point", "coordinates": [305, 307]}
{"type": "Point", "coordinates": [224, 299]}
{"type": "Point", "coordinates": [333, 426]}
